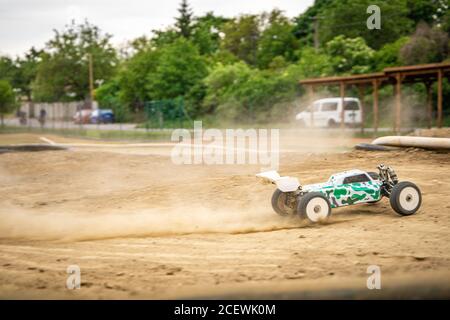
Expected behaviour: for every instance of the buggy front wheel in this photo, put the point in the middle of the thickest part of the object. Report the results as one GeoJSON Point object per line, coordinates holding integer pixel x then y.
{"type": "Point", "coordinates": [405, 198]}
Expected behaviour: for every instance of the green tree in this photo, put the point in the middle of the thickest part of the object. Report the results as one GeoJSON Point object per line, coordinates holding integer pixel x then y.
{"type": "Point", "coordinates": [206, 32]}
{"type": "Point", "coordinates": [26, 72]}
{"type": "Point", "coordinates": [107, 93]}
{"type": "Point", "coordinates": [132, 77]}
{"type": "Point", "coordinates": [63, 73]}
{"type": "Point", "coordinates": [239, 92]}
{"type": "Point", "coordinates": [184, 20]}
{"type": "Point", "coordinates": [428, 11]}
{"type": "Point", "coordinates": [21, 72]}
{"type": "Point", "coordinates": [389, 55]}
{"type": "Point", "coordinates": [277, 39]}
{"type": "Point", "coordinates": [445, 22]}
{"type": "Point", "coordinates": [164, 37]}
{"type": "Point", "coordinates": [107, 96]}
{"type": "Point", "coordinates": [8, 69]}
{"type": "Point", "coordinates": [425, 46]}
{"type": "Point", "coordinates": [180, 67]}
{"type": "Point", "coordinates": [7, 99]}
{"type": "Point", "coordinates": [311, 64]}
{"type": "Point", "coordinates": [304, 23]}
{"type": "Point", "coordinates": [223, 81]}
{"type": "Point", "coordinates": [349, 55]}
{"type": "Point", "coordinates": [348, 18]}
{"type": "Point", "coordinates": [241, 37]}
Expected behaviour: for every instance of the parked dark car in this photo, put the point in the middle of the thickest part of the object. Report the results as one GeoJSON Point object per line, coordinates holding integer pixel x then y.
{"type": "Point", "coordinates": [102, 116]}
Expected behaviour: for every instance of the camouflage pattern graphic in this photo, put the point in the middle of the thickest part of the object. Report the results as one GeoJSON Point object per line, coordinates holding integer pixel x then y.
{"type": "Point", "coordinates": [347, 194]}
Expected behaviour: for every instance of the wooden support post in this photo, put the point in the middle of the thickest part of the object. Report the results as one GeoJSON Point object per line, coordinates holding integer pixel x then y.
{"type": "Point", "coordinates": [342, 90]}
{"type": "Point", "coordinates": [439, 99]}
{"type": "Point", "coordinates": [429, 89]}
{"type": "Point", "coordinates": [375, 106]}
{"type": "Point", "coordinates": [398, 102]}
{"type": "Point", "coordinates": [361, 98]}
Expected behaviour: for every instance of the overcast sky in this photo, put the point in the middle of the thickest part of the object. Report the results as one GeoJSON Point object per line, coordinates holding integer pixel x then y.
{"type": "Point", "coordinates": [26, 23]}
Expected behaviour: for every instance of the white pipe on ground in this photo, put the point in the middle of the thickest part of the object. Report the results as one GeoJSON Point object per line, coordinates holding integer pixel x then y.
{"type": "Point", "coordinates": [416, 142]}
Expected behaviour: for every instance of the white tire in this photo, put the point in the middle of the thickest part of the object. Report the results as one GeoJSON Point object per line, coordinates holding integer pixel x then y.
{"type": "Point", "coordinates": [314, 206]}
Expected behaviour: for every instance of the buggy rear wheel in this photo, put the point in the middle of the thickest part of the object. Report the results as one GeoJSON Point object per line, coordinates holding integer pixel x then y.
{"type": "Point", "coordinates": [281, 203]}
{"type": "Point", "coordinates": [314, 206]}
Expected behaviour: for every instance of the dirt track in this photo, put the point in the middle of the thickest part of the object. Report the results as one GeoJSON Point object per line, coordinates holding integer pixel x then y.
{"type": "Point", "coordinates": [140, 227]}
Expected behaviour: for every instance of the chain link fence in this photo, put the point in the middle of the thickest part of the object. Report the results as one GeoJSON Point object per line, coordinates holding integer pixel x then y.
{"type": "Point", "coordinates": [168, 113]}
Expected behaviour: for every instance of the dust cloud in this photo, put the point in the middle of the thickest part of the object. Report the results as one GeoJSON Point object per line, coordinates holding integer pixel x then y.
{"type": "Point", "coordinates": [146, 223]}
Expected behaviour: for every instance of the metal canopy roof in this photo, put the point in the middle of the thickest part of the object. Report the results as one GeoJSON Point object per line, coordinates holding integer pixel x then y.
{"type": "Point", "coordinates": [416, 73]}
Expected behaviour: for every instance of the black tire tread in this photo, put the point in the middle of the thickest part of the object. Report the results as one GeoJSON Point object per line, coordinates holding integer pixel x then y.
{"type": "Point", "coordinates": [394, 198]}
{"type": "Point", "coordinates": [274, 201]}
{"type": "Point", "coordinates": [303, 202]}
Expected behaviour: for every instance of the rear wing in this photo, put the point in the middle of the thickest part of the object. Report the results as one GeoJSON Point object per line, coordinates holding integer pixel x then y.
{"type": "Point", "coordinates": [285, 184]}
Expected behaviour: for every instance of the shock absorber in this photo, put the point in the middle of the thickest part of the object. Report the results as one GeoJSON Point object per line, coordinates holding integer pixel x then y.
{"type": "Point", "coordinates": [383, 173]}
{"type": "Point", "coordinates": [389, 178]}
{"type": "Point", "coordinates": [392, 175]}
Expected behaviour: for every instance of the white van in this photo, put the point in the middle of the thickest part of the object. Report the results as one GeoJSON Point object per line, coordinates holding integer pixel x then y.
{"type": "Point", "coordinates": [327, 113]}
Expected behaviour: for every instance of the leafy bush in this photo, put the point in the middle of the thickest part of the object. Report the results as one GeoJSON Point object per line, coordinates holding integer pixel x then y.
{"type": "Point", "coordinates": [238, 91]}
{"type": "Point", "coordinates": [425, 46]}
{"type": "Point", "coordinates": [349, 55]}
{"type": "Point", "coordinates": [7, 99]}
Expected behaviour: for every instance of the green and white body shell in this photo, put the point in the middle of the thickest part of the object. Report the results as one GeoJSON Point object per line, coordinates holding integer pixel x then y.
{"type": "Point", "coordinates": [347, 188]}
{"type": "Point", "coordinates": [315, 201]}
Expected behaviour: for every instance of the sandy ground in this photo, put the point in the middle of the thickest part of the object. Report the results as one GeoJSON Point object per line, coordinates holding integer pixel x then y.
{"type": "Point", "coordinates": [139, 226]}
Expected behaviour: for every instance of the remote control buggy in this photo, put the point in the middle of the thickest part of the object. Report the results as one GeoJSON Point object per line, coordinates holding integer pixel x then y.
{"type": "Point", "coordinates": [315, 201]}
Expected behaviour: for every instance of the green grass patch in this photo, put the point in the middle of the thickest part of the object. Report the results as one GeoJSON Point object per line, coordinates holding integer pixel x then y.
{"type": "Point", "coordinates": [151, 135]}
